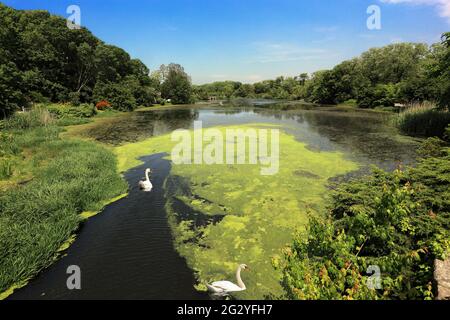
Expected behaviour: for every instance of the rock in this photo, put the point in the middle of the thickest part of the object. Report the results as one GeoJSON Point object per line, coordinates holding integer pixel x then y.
{"type": "Point", "coordinates": [442, 278]}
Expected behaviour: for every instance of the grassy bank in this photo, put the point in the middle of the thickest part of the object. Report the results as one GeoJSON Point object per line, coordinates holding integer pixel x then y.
{"type": "Point", "coordinates": [49, 183]}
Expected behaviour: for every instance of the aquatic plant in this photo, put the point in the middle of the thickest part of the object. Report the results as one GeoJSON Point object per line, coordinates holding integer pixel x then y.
{"type": "Point", "coordinates": [251, 217]}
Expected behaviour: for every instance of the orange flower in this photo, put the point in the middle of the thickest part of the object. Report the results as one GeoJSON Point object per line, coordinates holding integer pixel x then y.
{"type": "Point", "coordinates": [101, 105]}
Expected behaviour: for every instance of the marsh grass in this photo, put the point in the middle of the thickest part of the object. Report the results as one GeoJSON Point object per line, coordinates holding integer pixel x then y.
{"type": "Point", "coordinates": [423, 120]}
{"type": "Point", "coordinates": [68, 177]}
{"type": "Point", "coordinates": [37, 117]}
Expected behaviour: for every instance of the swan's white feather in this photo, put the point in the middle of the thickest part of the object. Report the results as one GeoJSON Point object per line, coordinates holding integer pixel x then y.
{"type": "Point", "coordinates": [226, 286]}
{"type": "Point", "coordinates": [146, 185]}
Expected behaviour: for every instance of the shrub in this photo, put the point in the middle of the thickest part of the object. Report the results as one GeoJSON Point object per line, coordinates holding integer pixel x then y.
{"type": "Point", "coordinates": [399, 222]}
{"type": "Point", "coordinates": [381, 95]}
{"type": "Point", "coordinates": [74, 98]}
{"type": "Point", "coordinates": [423, 120]}
{"type": "Point", "coordinates": [38, 97]}
{"type": "Point", "coordinates": [432, 147]}
{"type": "Point", "coordinates": [117, 94]}
{"type": "Point", "coordinates": [67, 111]}
{"type": "Point", "coordinates": [101, 105]}
{"type": "Point", "coordinates": [84, 110]}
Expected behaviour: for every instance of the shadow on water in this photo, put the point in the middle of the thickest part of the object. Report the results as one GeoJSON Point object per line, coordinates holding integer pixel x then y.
{"type": "Point", "coordinates": [126, 252]}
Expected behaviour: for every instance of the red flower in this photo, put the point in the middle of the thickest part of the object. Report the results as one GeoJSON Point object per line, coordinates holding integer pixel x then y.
{"type": "Point", "coordinates": [101, 105]}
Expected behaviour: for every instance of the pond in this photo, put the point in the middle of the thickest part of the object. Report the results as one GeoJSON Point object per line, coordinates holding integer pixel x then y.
{"type": "Point", "coordinates": [147, 245]}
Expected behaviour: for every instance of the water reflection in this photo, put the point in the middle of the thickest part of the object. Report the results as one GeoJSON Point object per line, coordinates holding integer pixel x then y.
{"type": "Point", "coordinates": [363, 136]}
{"type": "Point", "coordinates": [142, 124]}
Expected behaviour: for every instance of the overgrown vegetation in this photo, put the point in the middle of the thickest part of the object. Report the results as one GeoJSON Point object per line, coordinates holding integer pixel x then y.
{"type": "Point", "coordinates": [58, 179]}
{"type": "Point", "coordinates": [37, 117]}
{"type": "Point", "coordinates": [423, 120]}
{"type": "Point", "coordinates": [398, 222]}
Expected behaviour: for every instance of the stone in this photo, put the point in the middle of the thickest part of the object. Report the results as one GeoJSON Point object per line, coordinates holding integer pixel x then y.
{"type": "Point", "coordinates": [442, 278]}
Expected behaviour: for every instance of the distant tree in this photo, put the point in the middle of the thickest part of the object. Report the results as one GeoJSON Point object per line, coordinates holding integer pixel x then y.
{"type": "Point", "coordinates": [177, 85]}
{"type": "Point", "coordinates": [302, 78]}
{"type": "Point", "coordinates": [322, 88]}
{"type": "Point", "coordinates": [244, 91]}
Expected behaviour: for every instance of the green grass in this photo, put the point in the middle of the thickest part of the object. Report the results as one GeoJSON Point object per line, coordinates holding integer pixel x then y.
{"type": "Point", "coordinates": [37, 117]}
{"type": "Point", "coordinates": [60, 179]}
{"type": "Point", "coordinates": [423, 120]}
{"type": "Point", "coordinates": [260, 213]}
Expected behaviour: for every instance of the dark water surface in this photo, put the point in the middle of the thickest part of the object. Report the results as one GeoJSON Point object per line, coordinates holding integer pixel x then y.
{"type": "Point", "coordinates": [126, 252]}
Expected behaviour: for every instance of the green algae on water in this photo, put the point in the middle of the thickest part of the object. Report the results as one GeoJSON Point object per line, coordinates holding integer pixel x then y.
{"type": "Point", "coordinates": [231, 214]}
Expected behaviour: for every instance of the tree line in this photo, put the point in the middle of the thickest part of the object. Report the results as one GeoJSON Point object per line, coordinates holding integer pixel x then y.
{"type": "Point", "coordinates": [41, 60]}
{"type": "Point", "coordinates": [397, 73]}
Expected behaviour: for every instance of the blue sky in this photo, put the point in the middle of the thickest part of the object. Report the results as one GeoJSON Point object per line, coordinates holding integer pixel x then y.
{"type": "Point", "coordinates": [251, 40]}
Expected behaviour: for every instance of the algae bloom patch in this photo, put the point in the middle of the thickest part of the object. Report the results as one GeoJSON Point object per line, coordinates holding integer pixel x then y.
{"type": "Point", "coordinates": [237, 146]}
{"type": "Point", "coordinates": [223, 215]}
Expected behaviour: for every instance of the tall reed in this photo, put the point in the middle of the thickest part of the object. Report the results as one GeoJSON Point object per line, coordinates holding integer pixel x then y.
{"type": "Point", "coordinates": [36, 117]}
{"type": "Point", "coordinates": [423, 120]}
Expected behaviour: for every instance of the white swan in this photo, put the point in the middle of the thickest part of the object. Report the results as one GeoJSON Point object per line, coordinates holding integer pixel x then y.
{"type": "Point", "coordinates": [146, 185]}
{"type": "Point", "coordinates": [223, 288]}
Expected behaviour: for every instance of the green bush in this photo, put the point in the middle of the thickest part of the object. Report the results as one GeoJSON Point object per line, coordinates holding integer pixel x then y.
{"type": "Point", "coordinates": [381, 95]}
{"type": "Point", "coordinates": [117, 94]}
{"type": "Point", "coordinates": [62, 111]}
{"type": "Point", "coordinates": [83, 111]}
{"type": "Point", "coordinates": [399, 222]}
{"type": "Point", "coordinates": [74, 98]}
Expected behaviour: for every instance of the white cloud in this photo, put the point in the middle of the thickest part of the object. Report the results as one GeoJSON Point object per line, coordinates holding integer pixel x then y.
{"type": "Point", "coordinates": [443, 6]}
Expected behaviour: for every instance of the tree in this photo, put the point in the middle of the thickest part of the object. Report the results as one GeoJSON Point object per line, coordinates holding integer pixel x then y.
{"type": "Point", "coordinates": [119, 95]}
{"type": "Point", "coordinates": [43, 60]}
{"type": "Point", "coordinates": [302, 78]}
{"type": "Point", "coordinates": [322, 88]}
{"type": "Point", "coordinates": [442, 73]}
{"type": "Point", "coordinates": [177, 85]}
{"type": "Point", "coordinates": [11, 84]}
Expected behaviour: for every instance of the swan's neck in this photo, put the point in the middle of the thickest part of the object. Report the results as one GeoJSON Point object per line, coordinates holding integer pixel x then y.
{"type": "Point", "coordinates": [146, 176]}
{"type": "Point", "coordinates": [239, 280]}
